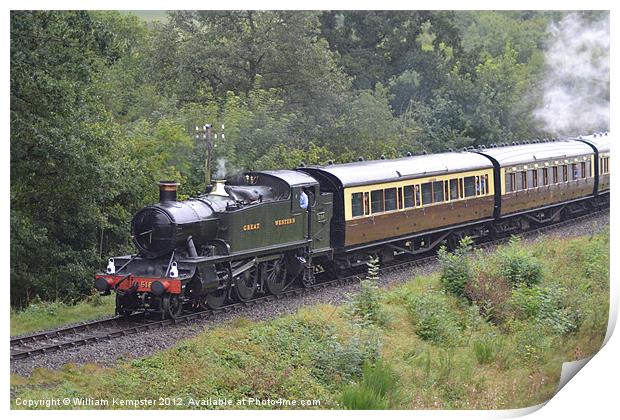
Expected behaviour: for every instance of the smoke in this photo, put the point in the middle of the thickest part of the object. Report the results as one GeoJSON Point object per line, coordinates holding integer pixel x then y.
{"type": "Point", "coordinates": [220, 172]}
{"type": "Point", "coordinates": [576, 96]}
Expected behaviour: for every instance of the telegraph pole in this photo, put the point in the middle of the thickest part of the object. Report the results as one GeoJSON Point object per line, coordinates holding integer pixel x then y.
{"type": "Point", "coordinates": [204, 133]}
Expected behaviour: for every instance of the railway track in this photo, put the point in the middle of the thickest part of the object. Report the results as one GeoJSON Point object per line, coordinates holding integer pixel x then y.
{"type": "Point", "coordinates": [42, 343]}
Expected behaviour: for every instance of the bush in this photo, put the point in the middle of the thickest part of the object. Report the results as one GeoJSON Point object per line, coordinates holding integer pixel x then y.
{"type": "Point", "coordinates": [491, 294]}
{"type": "Point", "coordinates": [546, 305]}
{"type": "Point", "coordinates": [433, 319]}
{"type": "Point", "coordinates": [455, 267]}
{"type": "Point", "coordinates": [517, 265]}
{"type": "Point", "coordinates": [365, 308]}
{"type": "Point", "coordinates": [345, 362]}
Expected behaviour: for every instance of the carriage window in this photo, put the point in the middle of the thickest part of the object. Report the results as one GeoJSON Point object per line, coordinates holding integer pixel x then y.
{"type": "Point", "coordinates": [470, 186]}
{"type": "Point", "coordinates": [545, 176]}
{"type": "Point", "coordinates": [390, 199]}
{"type": "Point", "coordinates": [454, 189]}
{"type": "Point", "coordinates": [583, 170]}
{"type": "Point", "coordinates": [427, 193]}
{"type": "Point", "coordinates": [357, 204]}
{"type": "Point", "coordinates": [437, 191]}
{"type": "Point", "coordinates": [532, 179]}
{"type": "Point", "coordinates": [408, 196]}
{"type": "Point", "coordinates": [555, 174]}
{"type": "Point", "coordinates": [418, 202]}
{"type": "Point", "coordinates": [511, 181]}
{"type": "Point", "coordinates": [575, 171]}
{"type": "Point", "coordinates": [564, 173]}
{"type": "Point", "coordinates": [376, 199]}
{"type": "Point", "coordinates": [519, 177]}
{"type": "Point", "coordinates": [482, 185]}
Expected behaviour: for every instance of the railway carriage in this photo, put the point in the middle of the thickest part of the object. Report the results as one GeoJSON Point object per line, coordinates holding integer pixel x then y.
{"type": "Point", "coordinates": [541, 176]}
{"type": "Point", "coordinates": [405, 205]}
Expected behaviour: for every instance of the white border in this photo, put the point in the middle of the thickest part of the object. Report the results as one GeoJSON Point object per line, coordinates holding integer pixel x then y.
{"type": "Point", "coordinates": [591, 394]}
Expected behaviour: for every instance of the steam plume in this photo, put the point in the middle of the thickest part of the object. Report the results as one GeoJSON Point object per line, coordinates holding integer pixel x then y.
{"type": "Point", "coordinates": [576, 96]}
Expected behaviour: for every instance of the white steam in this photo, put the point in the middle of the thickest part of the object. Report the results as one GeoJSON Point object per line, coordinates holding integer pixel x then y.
{"type": "Point", "coordinates": [220, 172]}
{"type": "Point", "coordinates": [576, 96]}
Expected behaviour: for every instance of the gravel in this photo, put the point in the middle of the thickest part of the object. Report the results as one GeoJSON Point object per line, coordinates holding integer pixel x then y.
{"type": "Point", "coordinates": [108, 353]}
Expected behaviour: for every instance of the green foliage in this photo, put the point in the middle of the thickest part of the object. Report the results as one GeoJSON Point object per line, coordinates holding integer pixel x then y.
{"type": "Point", "coordinates": [433, 318]}
{"type": "Point", "coordinates": [517, 265]}
{"type": "Point", "coordinates": [331, 359]}
{"type": "Point", "coordinates": [547, 305]}
{"type": "Point", "coordinates": [485, 349]}
{"type": "Point", "coordinates": [365, 308]}
{"type": "Point", "coordinates": [455, 267]}
{"type": "Point", "coordinates": [345, 362]}
{"type": "Point", "coordinates": [374, 392]}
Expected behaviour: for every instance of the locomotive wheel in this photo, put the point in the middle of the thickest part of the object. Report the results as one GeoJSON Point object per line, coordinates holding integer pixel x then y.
{"type": "Point", "coordinates": [245, 285]}
{"type": "Point", "coordinates": [120, 309]}
{"type": "Point", "coordinates": [274, 275]}
{"type": "Point", "coordinates": [171, 306]}
{"type": "Point", "coordinates": [214, 299]}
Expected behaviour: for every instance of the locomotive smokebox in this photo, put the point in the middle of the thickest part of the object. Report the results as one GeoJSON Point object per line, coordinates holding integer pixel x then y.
{"type": "Point", "coordinates": [168, 191]}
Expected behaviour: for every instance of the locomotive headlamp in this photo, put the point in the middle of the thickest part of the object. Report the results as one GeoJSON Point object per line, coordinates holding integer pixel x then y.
{"type": "Point", "coordinates": [174, 271]}
{"type": "Point", "coordinates": [111, 269]}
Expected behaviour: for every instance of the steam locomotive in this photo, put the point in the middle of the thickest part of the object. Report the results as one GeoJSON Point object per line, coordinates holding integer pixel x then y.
{"type": "Point", "coordinates": [249, 236]}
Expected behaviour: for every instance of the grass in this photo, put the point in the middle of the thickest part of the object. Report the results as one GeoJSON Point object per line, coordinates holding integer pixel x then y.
{"type": "Point", "coordinates": [411, 360]}
{"type": "Point", "coordinates": [47, 315]}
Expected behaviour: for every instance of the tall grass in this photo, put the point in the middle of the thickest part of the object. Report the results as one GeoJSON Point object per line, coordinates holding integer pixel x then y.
{"type": "Point", "coordinates": [376, 391]}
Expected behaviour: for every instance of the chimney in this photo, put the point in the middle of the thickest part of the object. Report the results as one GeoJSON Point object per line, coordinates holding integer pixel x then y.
{"type": "Point", "coordinates": [218, 189]}
{"type": "Point", "coordinates": [168, 191]}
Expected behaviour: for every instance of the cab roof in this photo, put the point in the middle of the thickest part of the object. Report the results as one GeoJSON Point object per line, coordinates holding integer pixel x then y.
{"type": "Point", "coordinates": [292, 178]}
